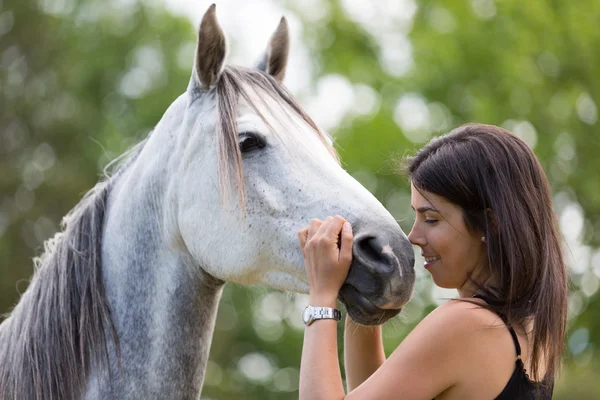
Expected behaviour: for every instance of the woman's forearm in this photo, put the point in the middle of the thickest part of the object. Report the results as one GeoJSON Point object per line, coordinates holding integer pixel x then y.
{"type": "Point", "coordinates": [320, 375]}
{"type": "Point", "coordinates": [363, 352]}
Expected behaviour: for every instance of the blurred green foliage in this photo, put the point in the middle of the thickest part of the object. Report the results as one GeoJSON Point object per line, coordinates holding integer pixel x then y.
{"type": "Point", "coordinates": [81, 81]}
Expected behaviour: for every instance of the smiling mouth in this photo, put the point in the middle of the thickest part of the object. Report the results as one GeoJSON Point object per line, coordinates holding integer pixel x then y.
{"type": "Point", "coordinates": [431, 260]}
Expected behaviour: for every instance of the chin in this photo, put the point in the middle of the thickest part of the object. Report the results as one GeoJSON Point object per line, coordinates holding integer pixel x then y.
{"type": "Point", "coordinates": [443, 285]}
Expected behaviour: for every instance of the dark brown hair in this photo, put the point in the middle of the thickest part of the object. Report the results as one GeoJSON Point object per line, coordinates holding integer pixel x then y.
{"type": "Point", "coordinates": [499, 183]}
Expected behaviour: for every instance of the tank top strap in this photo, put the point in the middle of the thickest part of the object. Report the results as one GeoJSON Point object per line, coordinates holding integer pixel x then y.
{"type": "Point", "coordinates": [505, 320]}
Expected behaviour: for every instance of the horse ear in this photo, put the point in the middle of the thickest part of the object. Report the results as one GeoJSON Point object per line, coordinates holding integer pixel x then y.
{"type": "Point", "coordinates": [211, 50]}
{"type": "Point", "coordinates": [274, 61]}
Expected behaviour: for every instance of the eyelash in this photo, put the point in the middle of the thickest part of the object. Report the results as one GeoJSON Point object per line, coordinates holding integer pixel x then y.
{"type": "Point", "coordinates": [431, 221]}
{"type": "Point", "coordinates": [250, 141]}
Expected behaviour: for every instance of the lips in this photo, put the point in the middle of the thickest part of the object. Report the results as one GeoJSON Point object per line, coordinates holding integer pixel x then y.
{"type": "Point", "coordinates": [361, 309]}
{"type": "Point", "coordinates": [429, 260]}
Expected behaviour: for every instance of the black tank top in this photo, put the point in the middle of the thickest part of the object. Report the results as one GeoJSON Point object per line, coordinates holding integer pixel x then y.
{"type": "Point", "coordinates": [519, 386]}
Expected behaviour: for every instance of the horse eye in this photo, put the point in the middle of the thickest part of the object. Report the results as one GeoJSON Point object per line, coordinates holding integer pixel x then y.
{"type": "Point", "coordinates": [250, 142]}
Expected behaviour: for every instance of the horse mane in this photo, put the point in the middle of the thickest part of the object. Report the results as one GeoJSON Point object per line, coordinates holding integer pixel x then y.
{"type": "Point", "coordinates": [60, 327]}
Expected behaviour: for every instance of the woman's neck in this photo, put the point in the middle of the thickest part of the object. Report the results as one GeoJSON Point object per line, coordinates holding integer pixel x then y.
{"type": "Point", "coordinates": [480, 278]}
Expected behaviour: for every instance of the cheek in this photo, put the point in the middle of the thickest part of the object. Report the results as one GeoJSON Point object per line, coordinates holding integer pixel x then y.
{"type": "Point", "coordinates": [454, 251]}
{"type": "Point", "coordinates": [440, 241]}
{"type": "Point", "coordinates": [225, 261]}
{"type": "Point", "coordinates": [213, 241]}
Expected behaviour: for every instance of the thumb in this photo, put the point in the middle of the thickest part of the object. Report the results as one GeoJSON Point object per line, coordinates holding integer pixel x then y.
{"type": "Point", "coordinates": [346, 244]}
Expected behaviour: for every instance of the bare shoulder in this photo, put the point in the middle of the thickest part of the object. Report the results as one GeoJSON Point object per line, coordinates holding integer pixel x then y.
{"type": "Point", "coordinates": [447, 356]}
{"type": "Point", "coordinates": [475, 342]}
{"type": "Point", "coordinates": [462, 316]}
{"type": "Point", "coordinates": [468, 328]}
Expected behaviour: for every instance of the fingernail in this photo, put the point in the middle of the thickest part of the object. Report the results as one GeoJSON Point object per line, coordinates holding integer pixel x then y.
{"type": "Point", "coordinates": [347, 227]}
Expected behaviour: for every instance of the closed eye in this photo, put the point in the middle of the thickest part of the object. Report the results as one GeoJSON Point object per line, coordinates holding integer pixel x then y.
{"type": "Point", "coordinates": [251, 141]}
{"type": "Point", "coordinates": [430, 221]}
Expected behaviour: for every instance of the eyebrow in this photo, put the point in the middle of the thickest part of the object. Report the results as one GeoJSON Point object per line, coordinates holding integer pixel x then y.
{"type": "Point", "coordinates": [425, 209]}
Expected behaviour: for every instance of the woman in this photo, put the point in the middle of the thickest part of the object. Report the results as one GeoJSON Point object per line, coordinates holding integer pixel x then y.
{"type": "Point", "coordinates": [486, 227]}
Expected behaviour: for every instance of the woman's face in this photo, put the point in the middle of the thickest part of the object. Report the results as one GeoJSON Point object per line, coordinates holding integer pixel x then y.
{"type": "Point", "coordinates": [452, 253]}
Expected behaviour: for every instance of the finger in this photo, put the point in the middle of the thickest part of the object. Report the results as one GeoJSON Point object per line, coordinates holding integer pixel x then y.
{"type": "Point", "coordinates": [313, 227]}
{"type": "Point", "coordinates": [323, 228]}
{"type": "Point", "coordinates": [334, 227]}
{"type": "Point", "coordinates": [346, 243]}
{"type": "Point", "coordinates": [303, 237]}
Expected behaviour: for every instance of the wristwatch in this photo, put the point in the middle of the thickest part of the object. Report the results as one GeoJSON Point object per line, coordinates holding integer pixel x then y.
{"type": "Point", "coordinates": [311, 314]}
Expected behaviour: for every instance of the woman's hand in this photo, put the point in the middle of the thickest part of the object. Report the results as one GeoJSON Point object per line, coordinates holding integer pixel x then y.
{"type": "Point", "coordinates": [327, 265]}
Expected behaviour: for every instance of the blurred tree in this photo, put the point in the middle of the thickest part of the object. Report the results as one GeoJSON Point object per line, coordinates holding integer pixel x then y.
{"type": "Point", "coordinates": [81, 81]}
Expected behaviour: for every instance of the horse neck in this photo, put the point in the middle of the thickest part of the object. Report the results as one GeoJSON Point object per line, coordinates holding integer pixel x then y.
{"type": "Point", "coordinates": [163, 304]}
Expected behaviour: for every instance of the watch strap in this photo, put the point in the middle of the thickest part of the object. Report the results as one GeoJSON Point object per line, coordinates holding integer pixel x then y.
{"type": "Point", "coordinates": [316, 313]}
{"type": "Point", "coordinates": [327, 313]}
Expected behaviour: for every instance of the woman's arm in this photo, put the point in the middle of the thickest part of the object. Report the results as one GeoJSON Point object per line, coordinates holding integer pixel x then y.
{"type": "Point", "coordinates": [320, 376]}
{"type": "Point", "coordinates": [326, 269]}
{"type": "Point", "coordinates": [427, 362]}
{"type": "Point", "coordinates": [363, 352]}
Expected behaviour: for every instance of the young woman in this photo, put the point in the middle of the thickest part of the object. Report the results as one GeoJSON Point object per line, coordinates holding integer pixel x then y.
{"type": "Point", "coordinates": [486, 227]}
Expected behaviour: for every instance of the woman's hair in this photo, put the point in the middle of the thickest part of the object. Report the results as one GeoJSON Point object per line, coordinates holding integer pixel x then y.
{"type": "Point", "coordinates": [503, 191]}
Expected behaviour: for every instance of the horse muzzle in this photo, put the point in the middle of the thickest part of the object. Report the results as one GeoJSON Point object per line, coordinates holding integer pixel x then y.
{"type": "Point", "coordinates": [381, 277]}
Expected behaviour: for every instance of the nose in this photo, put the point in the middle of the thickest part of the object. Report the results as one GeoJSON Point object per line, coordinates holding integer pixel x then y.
{"type": "Point", "coordinates": [415, 237]}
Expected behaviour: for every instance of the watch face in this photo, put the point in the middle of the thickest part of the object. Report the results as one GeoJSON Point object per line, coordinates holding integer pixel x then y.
{"type": "Point", "coordinates": [306, 314]}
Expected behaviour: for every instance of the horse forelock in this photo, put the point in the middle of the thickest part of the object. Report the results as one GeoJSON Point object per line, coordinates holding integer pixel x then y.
{"type": "Point", "coordinates": [61, 325]}
{"type": "Point", "coordinates": [232, 85]}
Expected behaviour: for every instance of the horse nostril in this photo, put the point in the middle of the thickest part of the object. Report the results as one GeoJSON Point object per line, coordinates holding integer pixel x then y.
{"type": "Point", "coordinates": [382, 269]}
{"type": "Point", "coordinates": [368, 248]}
{"type": "Point", "coordinates": [380, 255]}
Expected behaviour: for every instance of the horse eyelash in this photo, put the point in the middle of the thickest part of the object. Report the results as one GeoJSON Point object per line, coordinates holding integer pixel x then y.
{"type": "Point", "coordinates": [252, 134]}
{"type": "Point", "coordinates": [259, 138]}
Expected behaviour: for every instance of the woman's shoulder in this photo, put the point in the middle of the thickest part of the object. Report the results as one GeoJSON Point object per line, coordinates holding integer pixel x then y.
{"type": "Point", "coordinates": [477, 330]}
{"type": "Point", "coordinates": [464, 314]}
{"type": "Point", "coordinates": [466, 329]}
{"type": "Point", "coordinates": [451, 352]}
{"type": "Point", "coordinates": [470, 340]}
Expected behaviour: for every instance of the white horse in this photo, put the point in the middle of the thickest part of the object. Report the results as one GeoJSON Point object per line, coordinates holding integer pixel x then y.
{"type": "Point", "coordinates": [123, 302]}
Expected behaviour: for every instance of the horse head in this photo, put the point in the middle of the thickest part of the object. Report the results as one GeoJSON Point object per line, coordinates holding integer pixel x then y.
{"type": "Point", "coordinates": [253, 168]}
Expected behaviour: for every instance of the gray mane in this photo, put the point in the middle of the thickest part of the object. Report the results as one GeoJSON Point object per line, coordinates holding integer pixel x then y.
{"type": "Point", "coordinates": [60, 327]}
